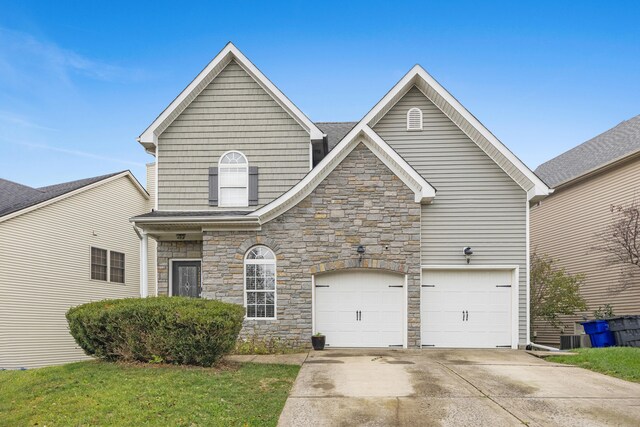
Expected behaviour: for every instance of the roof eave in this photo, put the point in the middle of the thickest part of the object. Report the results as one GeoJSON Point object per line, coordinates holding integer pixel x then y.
{"type": "Point", "coordinates": [228, 53]}
{"type": "Point", "coordinates": [204, 220]}
{"type": "Point", "coordinates": [418, 74]}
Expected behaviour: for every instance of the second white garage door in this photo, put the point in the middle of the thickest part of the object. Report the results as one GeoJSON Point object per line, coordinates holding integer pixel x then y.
{"type": "Point", "coordinates": [467, 308]}
{"type": "Point", "coordinates": [360, 308]}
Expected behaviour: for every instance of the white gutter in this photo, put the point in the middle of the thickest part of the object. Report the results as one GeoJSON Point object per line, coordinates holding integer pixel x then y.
{"type": "Point", "coordinates": [196, 219]}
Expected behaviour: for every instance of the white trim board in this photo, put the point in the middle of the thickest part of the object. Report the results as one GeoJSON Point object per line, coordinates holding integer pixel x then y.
{"type": "Point", "coordinates": [424, 192]}
{"type": "Point", "coordinates": [478, 133]}
{"type": "Point", "coordinates": [149, 138]}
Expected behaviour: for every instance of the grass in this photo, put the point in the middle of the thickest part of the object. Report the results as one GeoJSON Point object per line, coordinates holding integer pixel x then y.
{"type": "Point", "coordinates": [620, 362]}
{"type": "Point", "coordinates": [108, 394]}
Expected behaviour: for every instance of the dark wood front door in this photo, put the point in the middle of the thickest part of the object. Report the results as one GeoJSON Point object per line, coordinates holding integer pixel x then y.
{"type": "Point", "coordinates": [185, 279]}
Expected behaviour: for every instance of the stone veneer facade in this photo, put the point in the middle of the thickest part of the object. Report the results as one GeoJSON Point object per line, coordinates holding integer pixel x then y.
{"type": "Point", "coordinates": [361, 202]}
{"type": "Point", "coordinates": [174, 250]}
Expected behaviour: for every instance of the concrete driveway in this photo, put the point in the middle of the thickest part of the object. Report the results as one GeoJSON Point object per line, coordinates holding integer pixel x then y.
{"type": "Point", "coordinates": [453, 387]}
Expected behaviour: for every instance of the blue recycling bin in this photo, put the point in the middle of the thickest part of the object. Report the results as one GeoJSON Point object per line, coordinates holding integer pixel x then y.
{"type": "Point", "coordinates": [599, 333]}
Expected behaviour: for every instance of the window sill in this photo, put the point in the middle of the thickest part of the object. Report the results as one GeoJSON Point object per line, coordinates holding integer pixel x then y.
{"type": "Point", "coordinates": [107, 281]}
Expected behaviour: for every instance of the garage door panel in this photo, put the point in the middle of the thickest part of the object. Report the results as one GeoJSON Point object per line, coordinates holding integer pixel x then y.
{"type": "Point", "coordinates": [381, 307]}
{"type": "Point", "coordinates": [466, 308]}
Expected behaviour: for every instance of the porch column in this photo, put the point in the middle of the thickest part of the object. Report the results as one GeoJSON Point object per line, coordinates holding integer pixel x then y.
{"type": "Point", "coordinates": [144, 265]}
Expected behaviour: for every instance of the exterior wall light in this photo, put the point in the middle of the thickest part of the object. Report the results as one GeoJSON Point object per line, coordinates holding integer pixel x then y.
{"type": "Point", "coordinates": [361, 250]}
{"type": "Point", "coordinates": [467, 252]}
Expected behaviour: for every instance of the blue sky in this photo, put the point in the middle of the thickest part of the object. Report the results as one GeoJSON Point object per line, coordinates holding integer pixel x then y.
{"type": "Point", "coordinates": [79, 81]}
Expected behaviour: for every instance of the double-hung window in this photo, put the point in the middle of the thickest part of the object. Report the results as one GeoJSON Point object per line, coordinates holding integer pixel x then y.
{"type": "Point", "coordinates": [116, 267]}
{"type": "Point", "coordinates": [260, 283]}
{"type": "Point", "coordinates": [107, 265]}
{"type": "Point", "coordinates": [233, 172]}
{"type": "Point", "coordinates": [98, 264]}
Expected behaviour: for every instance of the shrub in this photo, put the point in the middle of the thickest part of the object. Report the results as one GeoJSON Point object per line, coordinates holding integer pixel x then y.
{"type": "Point", "coordinates": [174, 330]}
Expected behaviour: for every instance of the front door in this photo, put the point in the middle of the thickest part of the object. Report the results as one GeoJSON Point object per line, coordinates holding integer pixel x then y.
{"type": "Point", "coordinates": [185, 279]}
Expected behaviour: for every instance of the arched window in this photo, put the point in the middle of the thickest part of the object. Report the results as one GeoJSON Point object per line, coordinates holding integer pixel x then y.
{"type": "Point", "coordinates": [414, 119]}
{"type": "Point", "coordinates": [233, 184]}
{"type": "Point", "coordinates": [260, 283]}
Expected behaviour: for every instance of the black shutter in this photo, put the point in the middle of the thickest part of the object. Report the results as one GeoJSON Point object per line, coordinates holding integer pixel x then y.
{"type": "Point", "coordinates": [253, 185]}
{"type": "Point", "coordinates": [213, 186]}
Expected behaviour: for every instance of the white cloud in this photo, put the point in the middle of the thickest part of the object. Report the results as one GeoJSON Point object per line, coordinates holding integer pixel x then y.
{"type": "Point", "coordinates": [77, 153]}
{"type": "Point", "coordinates": [15, 119]}
{"type": "Point", "coordinates": [22, 54]}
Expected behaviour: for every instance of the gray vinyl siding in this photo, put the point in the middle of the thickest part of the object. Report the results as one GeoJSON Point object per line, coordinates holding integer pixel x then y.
{"type": "Point", "coordinates": [232, 113]}
{"type": "Point", "coordinates": [477, 204]}
{"type": "Point", "coordinates": [45, 269]}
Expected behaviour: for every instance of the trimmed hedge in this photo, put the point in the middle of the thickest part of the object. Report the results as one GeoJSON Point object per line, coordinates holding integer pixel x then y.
{"type": "Point", "coordinates": [178, 330]}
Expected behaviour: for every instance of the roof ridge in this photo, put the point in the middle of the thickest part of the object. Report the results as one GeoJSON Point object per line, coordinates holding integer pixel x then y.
{"type": "Point", "coordinates": [75, 181]}
{"type": "Point", "coordinates": [17, 183]}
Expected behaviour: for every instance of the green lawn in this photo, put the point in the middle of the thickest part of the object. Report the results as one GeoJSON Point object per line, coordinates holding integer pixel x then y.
{"type": "Point", "coordinates": [621, 362]}
{"type": "Point", "coordinates": [105, 394]}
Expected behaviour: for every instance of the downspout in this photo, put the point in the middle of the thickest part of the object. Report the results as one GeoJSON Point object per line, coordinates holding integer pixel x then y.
{"type": "Point", "coordinates": [542, 347]}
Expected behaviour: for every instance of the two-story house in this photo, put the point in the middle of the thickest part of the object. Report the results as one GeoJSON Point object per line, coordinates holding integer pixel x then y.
{"type": "Point", "coordinates": [408, 228]}
{"type": "Point", "coordinates": [61, 246]}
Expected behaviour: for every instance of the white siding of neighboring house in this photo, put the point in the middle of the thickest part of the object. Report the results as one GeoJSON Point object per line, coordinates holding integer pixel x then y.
{"type": "Point", "coordinates": [45, 269]}
{"type": "Point", "coordinates": [477, 204]}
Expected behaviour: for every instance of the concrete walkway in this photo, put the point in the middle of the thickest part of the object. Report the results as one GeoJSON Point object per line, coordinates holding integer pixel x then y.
{"type": "Point", "coordinates": [454, 387]}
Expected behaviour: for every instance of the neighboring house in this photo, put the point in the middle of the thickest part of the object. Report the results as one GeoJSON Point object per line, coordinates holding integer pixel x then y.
{"type": "Point", "coordinates": [587, 181]}
{"type": "Point", "coordinates": [61, 246]}
{"type": "Point", "coordinates": [355, 230]}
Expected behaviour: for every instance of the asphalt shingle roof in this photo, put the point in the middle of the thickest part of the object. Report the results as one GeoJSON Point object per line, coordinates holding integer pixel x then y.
{"type": "Point", "coordinates": [335, 131]}
{"type": "Point", "coordinates": [614, 144]}
{"type": "Point", "coordinates": [15, 197]}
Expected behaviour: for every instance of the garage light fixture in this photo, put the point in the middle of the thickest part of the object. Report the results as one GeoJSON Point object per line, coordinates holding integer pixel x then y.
{"type": "Point", "coordinates": [361, 250]}
{"type": "Point", "coordinates": [467, 252]}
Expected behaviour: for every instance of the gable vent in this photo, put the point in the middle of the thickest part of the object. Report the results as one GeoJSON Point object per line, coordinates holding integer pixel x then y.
{"type": "Point", "coordinates": [414, 119]}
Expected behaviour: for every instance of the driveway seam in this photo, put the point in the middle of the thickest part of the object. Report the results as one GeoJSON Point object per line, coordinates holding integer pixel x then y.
{"type": "Point", "coordinates": [483, 393]}
{"type": "Point", "coordinates": [397, 411]}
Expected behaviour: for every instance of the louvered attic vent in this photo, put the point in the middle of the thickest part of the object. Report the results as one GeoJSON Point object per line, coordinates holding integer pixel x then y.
{"type": "Point", "coordinates": [414, 119]}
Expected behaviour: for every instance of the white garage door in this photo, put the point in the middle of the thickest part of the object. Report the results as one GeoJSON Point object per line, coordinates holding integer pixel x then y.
{"type": "Point", "coordinates": [360, 308]}
{"type": "Point", "coordinates": [467, 308]}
